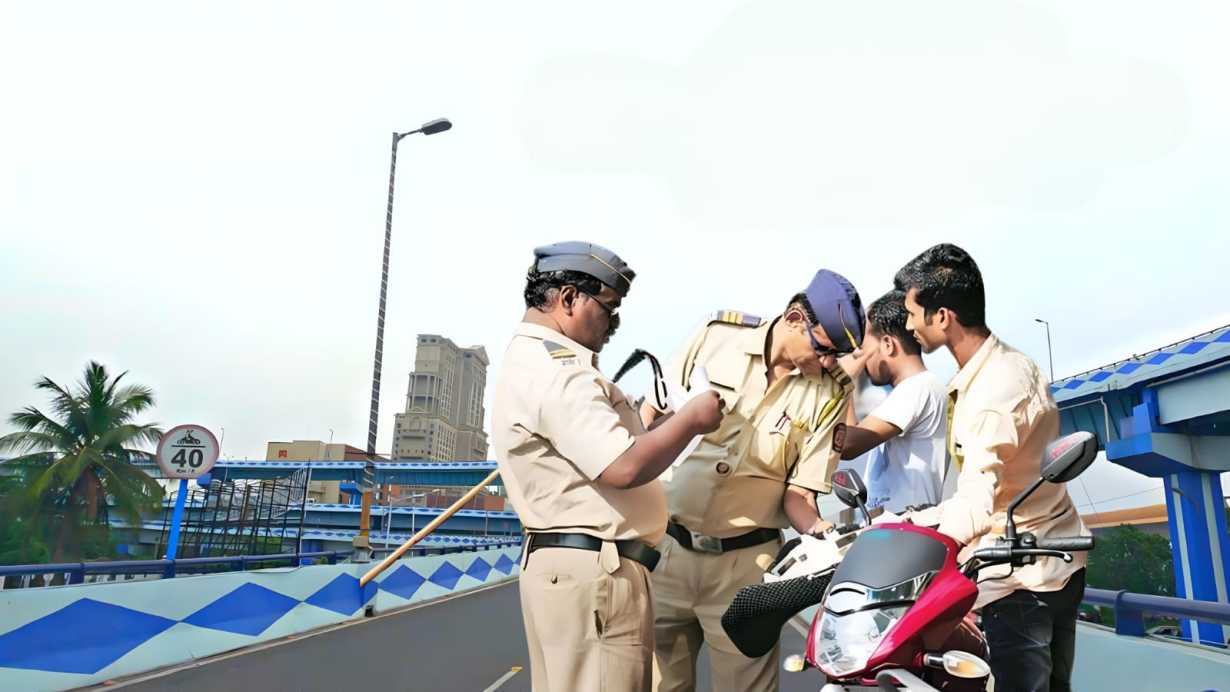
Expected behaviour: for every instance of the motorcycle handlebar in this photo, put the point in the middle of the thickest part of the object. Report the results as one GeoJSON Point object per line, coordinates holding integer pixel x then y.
{"type": "Point", "coordinates": [1067, 544]}
{"type": "Point", "coordinates": [1008, 554]}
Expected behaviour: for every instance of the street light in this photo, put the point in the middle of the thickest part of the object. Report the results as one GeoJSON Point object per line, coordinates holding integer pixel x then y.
{"type": "Point", "coordinates": [430, 128]}
{"type": "Point", "coordinates": [1049, 356]}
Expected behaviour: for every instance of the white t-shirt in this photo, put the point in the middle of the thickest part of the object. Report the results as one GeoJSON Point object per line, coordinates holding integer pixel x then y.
{"type": "Point", "coordinates": [911, 468]}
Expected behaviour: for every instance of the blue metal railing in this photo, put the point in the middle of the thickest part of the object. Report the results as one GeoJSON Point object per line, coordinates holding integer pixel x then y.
{"type": "Point", "coordinates": [166, 569]}
{"type": "Point", "coordinates": [77, 571]}
{"type": "Point", "coordinates": [1130, 609]}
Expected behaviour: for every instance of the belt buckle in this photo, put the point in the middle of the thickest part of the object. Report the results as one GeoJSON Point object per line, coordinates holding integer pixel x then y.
{"type": "Point", "coordinates": [706, 544]}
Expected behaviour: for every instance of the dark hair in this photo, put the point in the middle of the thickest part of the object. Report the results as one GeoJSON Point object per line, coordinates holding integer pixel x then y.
{"type": "Point", "coordinates": [945, 276]}
{"type": "Point", "coordinates": [887, 316]}
{"type": "Point", "coordinates": [801, 302]}
{"type": "Point", "coordinates": [541, 287]}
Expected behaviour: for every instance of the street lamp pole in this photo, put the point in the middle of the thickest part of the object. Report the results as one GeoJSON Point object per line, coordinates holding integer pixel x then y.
{"type": "Point", "coordinates": [431, 128]}
{"type": "Point", "coordinates": [1050, 357]}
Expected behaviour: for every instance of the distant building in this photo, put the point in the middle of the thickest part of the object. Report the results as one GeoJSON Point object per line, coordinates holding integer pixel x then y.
{"type": "Point", "coordinates": [316, 450]}
{"type": "Point", "coordinates": [443, 420]}
{"type": "Point", "coordinates": [1150, 519]}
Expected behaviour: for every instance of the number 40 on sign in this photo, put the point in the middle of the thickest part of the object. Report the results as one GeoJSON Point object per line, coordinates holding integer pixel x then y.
{"type": "Point", "coordinates": [187, 451]}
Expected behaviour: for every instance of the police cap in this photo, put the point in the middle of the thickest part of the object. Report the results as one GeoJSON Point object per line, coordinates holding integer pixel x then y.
{"type": "Point", "coordinates": [587, 258]}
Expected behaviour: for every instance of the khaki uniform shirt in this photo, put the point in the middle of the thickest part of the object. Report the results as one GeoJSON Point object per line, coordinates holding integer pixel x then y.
{"type": "Point", "coordinates": [1003, 416]}
{"type": "Point", "coordinates": [736, 478]}
{"type": "Point", "coordinates": [557, 424]}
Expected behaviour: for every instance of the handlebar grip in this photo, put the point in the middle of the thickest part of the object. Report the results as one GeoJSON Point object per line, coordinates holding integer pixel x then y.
{"type": "Point", "coordinates": [993, 553]}
{"type": "Point", "coordinates": [1067, 544]}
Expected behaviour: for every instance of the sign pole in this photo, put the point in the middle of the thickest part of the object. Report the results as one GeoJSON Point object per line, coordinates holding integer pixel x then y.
{"type": "Point", "coordinates": [185, 452]}
{"type": "Point", "coordinates": [176, 519]}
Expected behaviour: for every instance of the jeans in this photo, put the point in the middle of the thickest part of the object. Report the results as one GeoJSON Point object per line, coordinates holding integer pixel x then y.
{"type": "Point", "coordinates": [1032, 637]}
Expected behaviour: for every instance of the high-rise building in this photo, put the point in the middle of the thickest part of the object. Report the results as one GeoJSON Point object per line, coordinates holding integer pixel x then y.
{"type": "Point", "coordinates": [444, 413]}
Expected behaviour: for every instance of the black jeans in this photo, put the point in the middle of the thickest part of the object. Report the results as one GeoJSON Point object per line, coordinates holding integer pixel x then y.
{"type": "Point", "coordinates": [1032, 636]}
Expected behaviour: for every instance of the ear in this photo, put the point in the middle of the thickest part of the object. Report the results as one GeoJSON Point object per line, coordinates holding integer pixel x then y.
{"type": "Point", "coordinates": [888, 346]}
{"type": "Point", "coordinates": [943, 318]}
{"type": "Point", "coordinates": [567, 298]}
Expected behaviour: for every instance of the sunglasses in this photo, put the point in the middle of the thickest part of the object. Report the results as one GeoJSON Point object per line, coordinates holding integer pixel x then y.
{"type": "Point", "coordinates": [612, 312]}
{"type": "Point", "coordinates": [820, 349]}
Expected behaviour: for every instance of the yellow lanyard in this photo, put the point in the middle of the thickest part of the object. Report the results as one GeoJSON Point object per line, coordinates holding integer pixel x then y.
{"type": "Point", "coordinates": [959, 459]}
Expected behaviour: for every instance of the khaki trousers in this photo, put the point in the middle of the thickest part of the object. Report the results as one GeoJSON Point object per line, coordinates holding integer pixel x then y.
{"type": "Point", "coordinates": [690, 592]}
{"type": "Point", "coordinates": [588, 627]}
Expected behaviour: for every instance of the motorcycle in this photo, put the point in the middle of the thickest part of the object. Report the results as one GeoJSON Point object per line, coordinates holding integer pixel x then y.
{"type": "Point", "coordinates": [896, 608]}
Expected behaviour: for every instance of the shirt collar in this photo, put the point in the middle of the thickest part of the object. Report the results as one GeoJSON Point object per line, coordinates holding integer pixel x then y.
{"type": "Point", "coordinates": [535, 331]}
{"type": "Point", "coordinates": [961, 381]}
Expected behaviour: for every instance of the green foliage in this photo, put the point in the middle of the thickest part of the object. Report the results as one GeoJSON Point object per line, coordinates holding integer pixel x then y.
{"type": "Point", "coordinates": [1127, 558]}
{"type": "Point", "coordinates": [74, 464]}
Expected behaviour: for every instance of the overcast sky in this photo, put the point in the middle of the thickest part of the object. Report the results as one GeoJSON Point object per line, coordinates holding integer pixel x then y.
{"type": "Point", "coordinates": [195, 192]}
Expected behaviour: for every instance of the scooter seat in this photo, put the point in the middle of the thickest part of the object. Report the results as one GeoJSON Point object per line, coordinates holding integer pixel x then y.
{"type": "Point", "coordinates": [755, 617]}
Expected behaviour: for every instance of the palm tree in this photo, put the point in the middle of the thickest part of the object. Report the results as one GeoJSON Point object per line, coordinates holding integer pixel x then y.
{"type": "Point", "coordinates": [77, 461]}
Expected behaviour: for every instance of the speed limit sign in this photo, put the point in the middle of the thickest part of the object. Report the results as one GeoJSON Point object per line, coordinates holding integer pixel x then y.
{"type": "Point", "coordinates": [187, 451]}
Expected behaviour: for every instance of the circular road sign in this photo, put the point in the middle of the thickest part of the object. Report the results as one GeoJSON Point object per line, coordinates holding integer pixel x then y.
{"type": "Point", "coordinates": [187, 451]}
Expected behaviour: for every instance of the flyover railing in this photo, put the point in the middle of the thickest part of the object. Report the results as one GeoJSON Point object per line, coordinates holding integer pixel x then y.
{"type": "Point", "coordinates": [77, 572]}
{"type": "Point", "coordinates": [1130, 609]}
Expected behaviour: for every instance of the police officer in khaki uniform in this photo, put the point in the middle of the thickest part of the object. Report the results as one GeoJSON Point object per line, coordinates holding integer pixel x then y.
{"type": "Point", "coordinates": [756, 474]}
{"type": "Point", "coordinates": [581, 472]}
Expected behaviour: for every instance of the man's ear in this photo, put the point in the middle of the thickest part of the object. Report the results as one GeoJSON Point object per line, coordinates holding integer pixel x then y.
{"type": "Point", "coordinates": [567, 297]}
{"type": "Point", "coordinates": [794, 319]}
{"type": "Point", "coordinates": [943, 318]}
{"type": "Point", "coordinates": [889, 346]}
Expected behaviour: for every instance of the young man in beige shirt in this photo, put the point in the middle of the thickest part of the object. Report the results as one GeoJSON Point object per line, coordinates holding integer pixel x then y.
{"type": "Point", "coordinates": [1002, 417]}
{"type": "Point", "coordinates": [581, 472]}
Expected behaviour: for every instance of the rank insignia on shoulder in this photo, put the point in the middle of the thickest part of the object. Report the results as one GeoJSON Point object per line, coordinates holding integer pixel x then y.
{"type": "Point", "coordinates": [741, 319]}
{"type": "Point", "coordinates": [557, 351]}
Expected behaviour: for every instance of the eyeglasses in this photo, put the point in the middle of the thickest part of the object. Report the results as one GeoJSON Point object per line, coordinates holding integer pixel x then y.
{"type": "Point", "coordinates": [612, 311]}
{"type": "Point", "coordinates": [820, 349]}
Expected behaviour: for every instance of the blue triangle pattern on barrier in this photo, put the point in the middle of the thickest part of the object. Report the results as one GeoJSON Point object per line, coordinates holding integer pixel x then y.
{"type": "Point", "coordinates": [505, 565]}
{"type": "Point", "coordinates": [83, 637]}
{"type": "Point", "coordinates": [342, 595]}
{"type": "Point", "coordinates": [479, 569]}
{"type": "Point", "coordinates": [403, 582]}
{"type": "Point", "coordinates": [446, 575]}
{"type": "Point", "coordinates": [249, 609]}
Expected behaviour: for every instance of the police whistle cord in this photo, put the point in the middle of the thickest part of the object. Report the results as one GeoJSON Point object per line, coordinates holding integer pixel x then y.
{"type": "Point", "coordinates": [426, 530]}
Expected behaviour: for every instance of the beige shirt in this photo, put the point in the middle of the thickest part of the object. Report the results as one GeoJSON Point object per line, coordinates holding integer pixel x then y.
{"type": "Point", "coordinates": [1003, 416]}
{"type": "Point", "coordinates": [770, 436]}
{"type": "Point", "coordinates": [557, 424]}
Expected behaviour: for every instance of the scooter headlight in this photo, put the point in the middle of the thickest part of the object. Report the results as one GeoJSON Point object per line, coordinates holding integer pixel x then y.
{"type": "Point", "coordinates": [846, 642]}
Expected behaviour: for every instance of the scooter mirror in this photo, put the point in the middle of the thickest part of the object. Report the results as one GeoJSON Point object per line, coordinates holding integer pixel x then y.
{"type": "Point", "coordinates": [849, 488]}
{"type": "Point", "coordinates": [1068, 457]}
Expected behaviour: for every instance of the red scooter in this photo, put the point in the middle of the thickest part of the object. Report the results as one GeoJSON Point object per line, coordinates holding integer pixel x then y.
{"type": "Point", "coordinates": [896, 611]}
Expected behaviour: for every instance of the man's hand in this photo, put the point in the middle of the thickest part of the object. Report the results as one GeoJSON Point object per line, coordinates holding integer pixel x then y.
{"type": "Point", "coordinates": [703, 413]}
{"type": "Point", "coordinates": [820, 527]}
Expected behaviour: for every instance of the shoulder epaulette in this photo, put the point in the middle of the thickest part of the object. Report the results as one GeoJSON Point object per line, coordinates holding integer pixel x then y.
{"type": "Point", "coordinates": [740, 319]}
{"type": "Point", "coordinates": [557, 351]}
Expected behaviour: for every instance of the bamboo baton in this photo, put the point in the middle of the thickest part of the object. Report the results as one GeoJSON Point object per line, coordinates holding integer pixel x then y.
{"type": "Point", "coordinates": [435, 523]}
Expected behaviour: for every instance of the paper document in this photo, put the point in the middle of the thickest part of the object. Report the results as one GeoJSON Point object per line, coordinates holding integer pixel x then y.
{"type": "Point", "coordinates": [698, 384]}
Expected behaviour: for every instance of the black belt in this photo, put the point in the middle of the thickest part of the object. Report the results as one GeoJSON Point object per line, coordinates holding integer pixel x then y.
{"type": "Point", "coordinates": [717, 546]}
{"type": "Point", "coordinates": [637, 551]}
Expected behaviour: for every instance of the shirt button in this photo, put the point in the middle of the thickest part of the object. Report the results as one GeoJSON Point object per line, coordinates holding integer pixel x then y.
{"type": "Point", "coordinates": [723, 468]}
